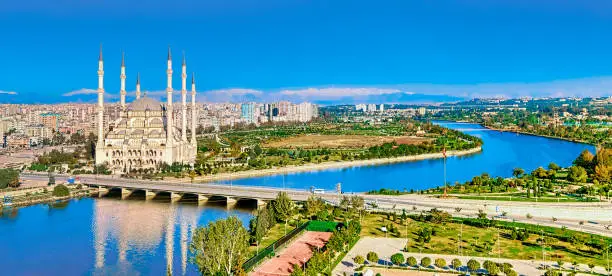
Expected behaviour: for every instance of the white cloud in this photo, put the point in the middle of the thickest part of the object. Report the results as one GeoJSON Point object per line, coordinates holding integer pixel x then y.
{"type": "Point", "coordinates": [339, 92]}
{"type": "Point", "coordinates": [82, 91]}
{"type": "Point", "coordinates": [233, 95]}
{"type": "Point", "coordinates": [8, 92]}
{"type": "Point", "coordinates": [235, 92]}
{"type": "Point", "coordinates": [584, 87]}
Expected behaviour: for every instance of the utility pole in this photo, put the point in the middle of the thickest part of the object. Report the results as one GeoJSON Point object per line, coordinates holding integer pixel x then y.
{"type": "Point", "coordinates": [542, 242]}
{"type": "Point", "coordinates": [498, 245]}
{"type": "Point", "coordinates": [444, 156]}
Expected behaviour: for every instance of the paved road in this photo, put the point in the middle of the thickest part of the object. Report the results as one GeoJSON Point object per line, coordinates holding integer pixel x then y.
{"type": "Point", "coordinates": [595, 216]}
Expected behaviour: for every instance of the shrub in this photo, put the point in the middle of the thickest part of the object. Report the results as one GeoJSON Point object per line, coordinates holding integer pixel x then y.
{"type": "Point", "coordinates": [552, 273]}
{"type": "Point", "coordinates": [297, 271]}
{"type": "Point", "coordinates": [61, 190]}
{"type": "Point", "coordinates": [425, 262]}
{"type": "Point", "coordinates": [511, 273]}
{"type": "Point", "coordinates": [359, 259]}
{"type": "Point", "coordinates": [506, 267]}
{"type": "Point", "coordinates": [397, 258]}
{"type": "Point", "coordinates": [473, 265]}
{"type": "Point", "coordinates": [493, 269]}
{"type": "Point", "coordinates": [411, 261]}
{"type": "Point", "coordinates": [456, 263]}
{"type": "Point", "coordinates": [372, 257]}
{"type": "Point", "coordinates": [441, 263]}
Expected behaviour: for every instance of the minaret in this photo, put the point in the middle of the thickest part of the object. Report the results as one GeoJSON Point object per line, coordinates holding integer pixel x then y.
{"type": "Point", "coordinates": [194, 111]}
{"type": "Point", "coordinates": [184, 101]}
{"type": "Point", "coordinates": [138, 86]}
{"type": "Point", "coordinates": [169, 109]}
{"type": "Point", "coordinates": [122, 92]}
{"type": "Point", "coordinates": [100, 144]}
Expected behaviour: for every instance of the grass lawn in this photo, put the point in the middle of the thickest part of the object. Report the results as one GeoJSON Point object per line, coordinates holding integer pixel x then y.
{"type": "Point", "coordinates": [274, 234]}
{"type": "Point", "coordinates": [482, 242]}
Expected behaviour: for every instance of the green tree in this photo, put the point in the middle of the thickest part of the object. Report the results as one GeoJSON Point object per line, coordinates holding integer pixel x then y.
{"type": "Point", "coordinates": [552, 273]}
{"type": "Point", "coordinates": [411, 261]}
{"type": "Point", "coordinates": [517, 172]}
{"type": "Point", "coordinates": [60, 190]}
{"type": "Point", "coordinates": [313, 206]}
{"type": "Point", "coordinates": [425, 262]}
{"type": "Point", "coordinates": [283, 208]}
{"type": "Point", "coordinates": [220, 246]}
{"type": "Point", "coordinates": [359, 259]}
{"type": "Point", "coordinates": [397, 258]}
{"type": "Point", "coordinates": [372, 257]}
{"type": "Point", "coordinates": [456, 263]}
{"type": "Point", "coordinates": [473, 265]}
{"type": "Point", "coordinates": [441, 263]}
{"type": "Point", "coordinates": [491, 267]}
{"type": "Point", "coordinates": [357, 204]}
{"type": "Point", "coordinates": [585, 159]}
{"type": "Point", "coordinates": [297, 271]}
{"type": "Point", "coordinates": [424, 235]}
{"type": "Point", "coordinates": [540, 173]}
{"type": "Point", "coordinates": [9, 178]}
{"type": "Point", "coordinates": [553, 166]}
{"type": "Point", "coordinates": [577, 174]}
{"type": "Point", "coordinates": [602, 173]}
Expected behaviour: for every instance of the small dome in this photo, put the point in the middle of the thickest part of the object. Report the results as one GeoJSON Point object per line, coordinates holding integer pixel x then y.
{"type": "Point", "coordinates": [145, 104]}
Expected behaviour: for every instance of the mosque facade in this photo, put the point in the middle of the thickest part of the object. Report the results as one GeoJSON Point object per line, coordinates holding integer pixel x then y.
{"type": "Point", "coordinates": [146, 136]}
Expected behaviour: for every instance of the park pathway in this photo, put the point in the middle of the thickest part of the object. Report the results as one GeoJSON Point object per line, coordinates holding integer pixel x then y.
{"type": "Point", "coordinates": [385, 247]}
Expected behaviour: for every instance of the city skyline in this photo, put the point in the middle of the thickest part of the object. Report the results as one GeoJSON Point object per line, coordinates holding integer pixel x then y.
{"type": "Point", "coordinates": [326, 53]}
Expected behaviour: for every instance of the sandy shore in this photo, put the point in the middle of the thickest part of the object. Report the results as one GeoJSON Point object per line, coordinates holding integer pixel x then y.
{"type": "Point", "coordinates": [330, 165]}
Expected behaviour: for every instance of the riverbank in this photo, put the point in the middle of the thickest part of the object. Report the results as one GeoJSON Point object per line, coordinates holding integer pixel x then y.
{"type": "Point", "coordinates": [536, 135]}
{"type": "Point", "coordinates": [331, 165]}
{"type": "Point", "coordinates": [38, 195]}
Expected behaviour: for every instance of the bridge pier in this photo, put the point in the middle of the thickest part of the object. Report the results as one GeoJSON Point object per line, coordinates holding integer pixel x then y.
{"type": "Point", "coordinates": [149, 194]}
{"type": "Point", "coordinates": [125, 193]}
{"type": "Point", "coordinates": [202, 199]}
{"type": "Point", "coordinates": [174, 197]}
{"type": "Point", "coordinates": [102, 191]}
{"type": "Point", "coordinates": [261, 203]}
{"type": "Point", "coordinates": [231, 202]}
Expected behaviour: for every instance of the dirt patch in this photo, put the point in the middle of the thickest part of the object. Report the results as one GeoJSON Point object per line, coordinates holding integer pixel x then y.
{"type": "Point", "coordinates": [298, 252]}
{"type": "Point", "coordinates": [341, 141]}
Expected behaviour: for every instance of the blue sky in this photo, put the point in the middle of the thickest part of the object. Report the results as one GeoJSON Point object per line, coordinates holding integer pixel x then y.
{"type": "Point", "coordinates": [325, 51]}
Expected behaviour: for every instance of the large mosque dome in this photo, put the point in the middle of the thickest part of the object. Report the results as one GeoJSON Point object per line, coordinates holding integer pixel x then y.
{"type": "Point", "coordinates": [145, 104]}
{"type": "Point", "coordinates": [145, 134]}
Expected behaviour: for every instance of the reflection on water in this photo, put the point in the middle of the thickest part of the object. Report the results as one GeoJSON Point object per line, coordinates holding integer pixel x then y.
{"type": "Point", "coordinates": [136, 237]}
{"type": "Point", "coordinates": [105, 236]}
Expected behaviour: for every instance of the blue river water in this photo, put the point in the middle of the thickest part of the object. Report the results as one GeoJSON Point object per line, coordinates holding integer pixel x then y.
{"type": "Point", "coordinates": [110, 236]}
{"type": "Point", "coordinates": [501, 153]}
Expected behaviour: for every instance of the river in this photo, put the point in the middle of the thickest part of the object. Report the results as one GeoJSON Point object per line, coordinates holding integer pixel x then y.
{"type": "Point", "coordinates": [501, 153]}
{"type": "Point", "coordinates": [110, 236]}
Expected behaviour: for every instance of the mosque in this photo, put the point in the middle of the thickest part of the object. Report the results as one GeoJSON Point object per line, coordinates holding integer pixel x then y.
{"type": "Point", "coordinates": [144, 137]}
